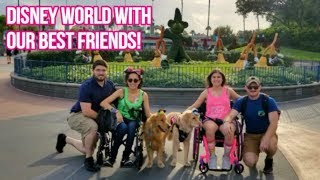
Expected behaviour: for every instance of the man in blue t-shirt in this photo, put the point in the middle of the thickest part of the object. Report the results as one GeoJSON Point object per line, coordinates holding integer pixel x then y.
{"type": "Point", "coordinates": [84, 112]}
{"type": "Point", "coordinates": [261, 115]}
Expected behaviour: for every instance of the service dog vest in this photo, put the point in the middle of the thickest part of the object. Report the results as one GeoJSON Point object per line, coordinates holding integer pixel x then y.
{"type": "Point", "coordinates": [182, 134]}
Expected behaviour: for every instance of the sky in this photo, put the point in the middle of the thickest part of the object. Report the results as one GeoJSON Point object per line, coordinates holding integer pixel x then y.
{"type": "Point", "coordinates": [195, 12]}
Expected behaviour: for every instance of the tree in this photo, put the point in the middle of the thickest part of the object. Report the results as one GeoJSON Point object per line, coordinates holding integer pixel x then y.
{"type": "Point", "coordinates": [208, 28]}
{"type": "Point", "coordinates": [192, 32]}
{"type": "Point", "coordinates": [226, 34]}
{"type": "Point", "coordinates": [2, 25]}
{"type": "Point", "coordinates": [257, 7]}
{"type": "Point", "coordinates": [182, 7]}
{"type": "Point", "coordinates": [243, 10]}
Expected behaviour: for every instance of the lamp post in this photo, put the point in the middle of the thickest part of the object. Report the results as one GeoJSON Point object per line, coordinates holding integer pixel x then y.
{"type": "Point", "coordinates": [152, 27]}
{"type": "Point", "coordinates": [125, 26]}
{"type": "Point", "coordinates": [19, 5]}
{"type": "Point", "coordinates": [66, 27]}
{"type": "Point", "coordinates": [39, 16]}
{"type": "Point", "coordinates": [208, 19]}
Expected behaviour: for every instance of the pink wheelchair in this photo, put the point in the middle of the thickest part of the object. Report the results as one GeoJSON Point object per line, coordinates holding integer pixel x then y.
{"type": "Point", "coordinates": [235, 153]}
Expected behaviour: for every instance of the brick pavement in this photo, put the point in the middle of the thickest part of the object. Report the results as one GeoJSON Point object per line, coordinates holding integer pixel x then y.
{"type": "Point", "coordinates": [299, 136]}
{"type": "Point", "coordinates": [16, 103]}
{"type": "Point", "coordinates": [298, 131]}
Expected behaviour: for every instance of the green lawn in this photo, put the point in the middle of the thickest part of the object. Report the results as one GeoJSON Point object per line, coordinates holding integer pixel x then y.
{"type": "Point", "coordinates": [300, 54]}
{"type": "Point", "coordinates": [295, 53]}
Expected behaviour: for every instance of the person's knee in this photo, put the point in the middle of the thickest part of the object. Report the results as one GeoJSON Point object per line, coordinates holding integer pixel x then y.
{"type": "Point", "coordinates": [273, 147]}
{"type": "Point", "coordinates": [94, 128]}
{"type": "Point", "coordinates": [122, 128]}
{"type": "Point", "coordinates": [225, 131]}
{"type": "Point", "coordinates": [250, 159]}
{"type": "Point", "coordinates": [211, 129]}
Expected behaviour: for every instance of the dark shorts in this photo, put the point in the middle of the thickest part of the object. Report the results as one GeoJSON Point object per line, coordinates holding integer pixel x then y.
{"type": "Point", "coordinates": [8, 52]}
{"type": "Point", "coordinates": [219, 122]}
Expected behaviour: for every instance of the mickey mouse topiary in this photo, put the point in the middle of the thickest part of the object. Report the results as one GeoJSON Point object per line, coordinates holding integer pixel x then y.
{"type": "Point", "coordinates": [177, 26]}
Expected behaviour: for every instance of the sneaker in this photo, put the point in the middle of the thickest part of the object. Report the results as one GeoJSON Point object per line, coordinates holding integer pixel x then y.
{"type": "Point", "coordinates": [268, 166]}
{"type": "Point", "coordinates": [61, 142]}
{"type": "Point", "coordinates": [127, 162]}
{"type": "Point", "coordinates": [90, 166]}
{"type": "Point", "coordinates": [109, 162]}
{"type": "Point", "coordinates": [225, 162]}
{"type": "Point", "coordinates": [213, 162]}
{"type": "Point", "coordinates": [180, 148]}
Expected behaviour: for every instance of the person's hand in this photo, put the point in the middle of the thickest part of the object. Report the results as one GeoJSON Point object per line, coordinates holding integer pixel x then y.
{"type": "Point", "coordinates": [264, 144]}
{"type": "Point", "coordinates": [119, 117]}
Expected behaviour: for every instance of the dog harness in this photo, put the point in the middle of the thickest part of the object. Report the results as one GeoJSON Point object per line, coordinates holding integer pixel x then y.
{"type": "Point", "coordinates": [182, 134]}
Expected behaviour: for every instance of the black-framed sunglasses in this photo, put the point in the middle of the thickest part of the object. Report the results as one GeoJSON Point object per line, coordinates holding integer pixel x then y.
{"type": "Point", "coordinates": [253, 87]}
{"type": "Point", "coordinates": [134, 80]}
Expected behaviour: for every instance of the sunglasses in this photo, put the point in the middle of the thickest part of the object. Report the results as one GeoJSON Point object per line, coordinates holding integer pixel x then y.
{"type": "Point", "coordinates": [253, 87]}
{"type": "Point", "coordinates": [134, 80]}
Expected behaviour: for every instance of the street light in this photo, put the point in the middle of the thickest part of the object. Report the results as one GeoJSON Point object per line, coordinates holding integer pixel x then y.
{"type": "Point", "coordinates": [66, 27]}
{"type": "Point", "coordinates": [19, 5]}
{"type": "Point", "coordinates": [39, 16]}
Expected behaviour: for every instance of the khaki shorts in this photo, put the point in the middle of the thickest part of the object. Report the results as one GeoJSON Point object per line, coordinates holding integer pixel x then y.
{"type": "Point", "coordinates": [82, 124]}
{"type": "Point", "coordinates": [252, 143]}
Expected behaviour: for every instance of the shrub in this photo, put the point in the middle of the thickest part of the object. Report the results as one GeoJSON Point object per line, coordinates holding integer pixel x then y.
{"type": "Point", "coordinates": [57, 56]}
{"type": "Point", "coordinates": [198, 55]}
{"type": "Point", "coordinates": [109, 55]}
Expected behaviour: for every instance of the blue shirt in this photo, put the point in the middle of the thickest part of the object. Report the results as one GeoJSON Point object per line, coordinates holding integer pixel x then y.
{"type": "Point", "coordinates": [255, 120]}
{"type": "Point", "coordinates": [91, 92]}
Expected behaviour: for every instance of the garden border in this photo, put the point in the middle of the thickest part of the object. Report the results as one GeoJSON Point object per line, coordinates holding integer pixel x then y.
{"type": "Point", "coordinates": [160, 96]}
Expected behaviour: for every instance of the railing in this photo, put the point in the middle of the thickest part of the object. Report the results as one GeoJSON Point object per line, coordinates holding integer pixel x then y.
{"type": "Point", "coordinates": [177, 76]}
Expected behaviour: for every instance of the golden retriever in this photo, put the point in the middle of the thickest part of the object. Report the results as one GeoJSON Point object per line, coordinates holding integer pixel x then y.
{"type": "Point", "coordinates": [154, 135]}
{"type": "Point", "coordinates": [182, 126]}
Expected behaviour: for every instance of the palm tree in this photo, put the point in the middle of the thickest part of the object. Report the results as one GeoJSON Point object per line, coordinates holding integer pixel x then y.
{"type": "Point", "coordinates": [244, 22]}
{"type": "Point", "coordinates": [152, 23]}
{"type": "Point", "coordinates": [192, 32]}
{"type": "Point", "coordinates": [208, 28]}
{"type": "Point", "coordinates": [208, 25]}
{"type": "Point", "coordinates": [258, 21]}
{"type": "Point", "coordinates": [182, 8]}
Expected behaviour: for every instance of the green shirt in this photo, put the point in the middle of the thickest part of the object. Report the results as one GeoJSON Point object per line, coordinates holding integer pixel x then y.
{"type": "Point", "coordinates": [128, 109]}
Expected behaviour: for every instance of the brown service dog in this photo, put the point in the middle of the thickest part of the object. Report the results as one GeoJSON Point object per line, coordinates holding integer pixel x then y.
{"type": "Point", "coordinates": [154, 134]}
{"type": "Point", "coordinates": [182, 125]}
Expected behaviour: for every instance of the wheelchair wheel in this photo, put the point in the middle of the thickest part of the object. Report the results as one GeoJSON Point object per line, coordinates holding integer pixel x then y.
{"type": "Point", "coordinates": [203, 167]}
{"type": "Point", "coordinates": [240, 146]}
{"type": "Point", "coordinates": [196, 142]}
{"type": "Point", "coordinates": [139, 157]}
{"type": "Point", "coordinates": [238, 168]}
{"type": "Point", "coordinates": [99, 158]}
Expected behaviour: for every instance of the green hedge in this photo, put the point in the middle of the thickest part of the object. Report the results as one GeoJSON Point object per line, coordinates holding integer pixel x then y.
{"type": "Point", "coordinates": [145, 55]}
{"type": "Point", "coordinates": [57, 56]}
{"type": "Point", "coordinates": [188, 76]}
{"type": "Point", "coordinates": [304, 39]}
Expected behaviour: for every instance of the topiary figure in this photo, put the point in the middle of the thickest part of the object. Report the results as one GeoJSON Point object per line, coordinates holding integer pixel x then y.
{"type": "Point", "coordinates": [271, 51]}
{"type": "Point", "coordinates": [177, 26]}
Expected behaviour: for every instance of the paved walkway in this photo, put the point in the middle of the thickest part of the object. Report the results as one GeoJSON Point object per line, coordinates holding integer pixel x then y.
{"type": "Point", "coordinates": [29, 124]}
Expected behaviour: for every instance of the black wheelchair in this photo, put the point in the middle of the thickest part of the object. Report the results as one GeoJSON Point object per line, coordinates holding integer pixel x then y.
{"type": "Point", "coordinates": [235, 153]}
{"type": "Point", "coordinates": [107, 124]}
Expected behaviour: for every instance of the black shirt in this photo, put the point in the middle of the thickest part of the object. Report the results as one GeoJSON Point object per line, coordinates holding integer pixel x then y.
{"type": "Point", "coordinates": [91, 92]}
